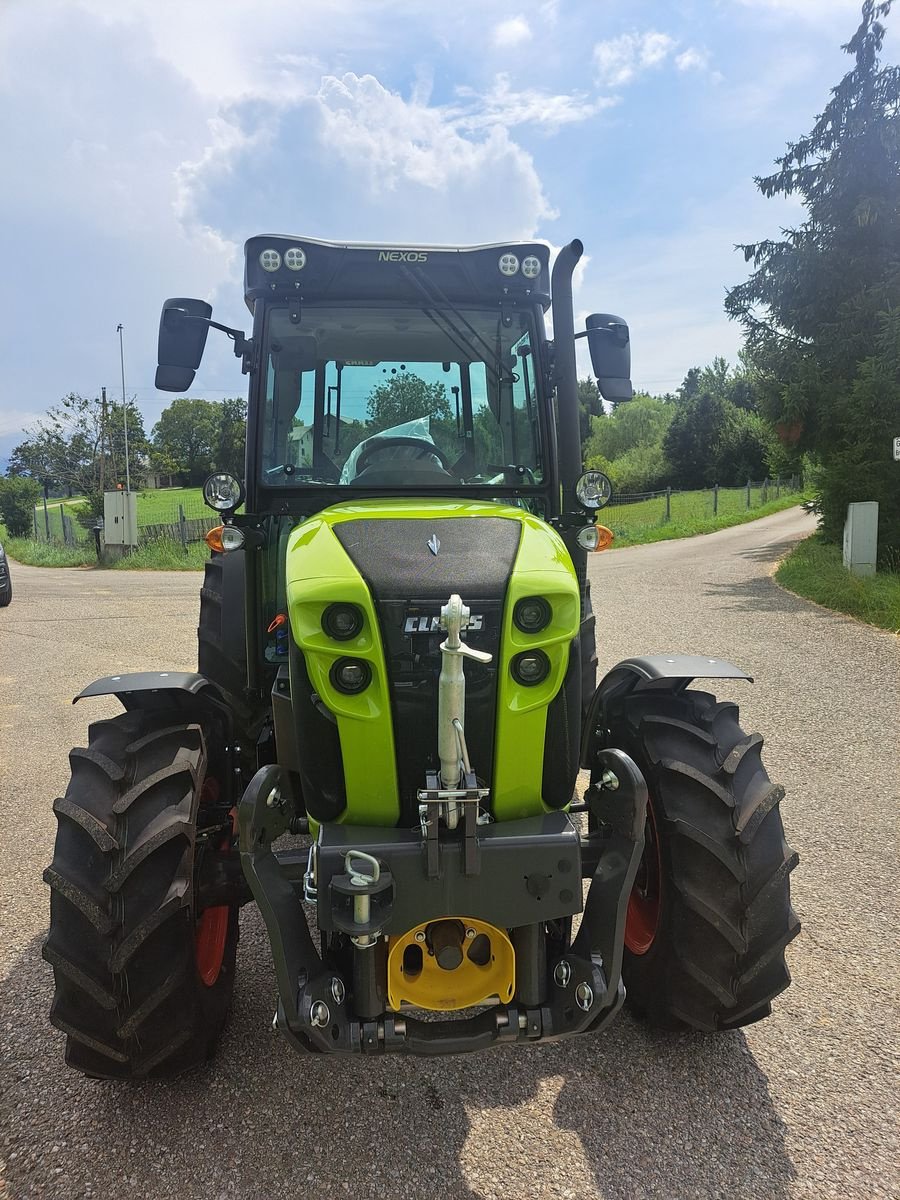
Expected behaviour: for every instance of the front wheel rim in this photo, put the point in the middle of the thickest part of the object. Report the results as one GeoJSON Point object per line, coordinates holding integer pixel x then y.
{"type": "Point", "coordinates": [211, 929]}
{"type": "Point", "coordinates": [644, 903]}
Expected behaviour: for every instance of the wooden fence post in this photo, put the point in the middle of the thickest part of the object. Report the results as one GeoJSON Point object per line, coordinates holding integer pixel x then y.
{"type": "Point", "coordinates": [748, 493]}
{"type": "Point", "coordinates": [182, 527]}
{"type": "Point", "coordinates": [668, 504]}
{"type": "Point", "coordinates": [765, 490]}
{"type": "Point", "coordinates": [715, 499]}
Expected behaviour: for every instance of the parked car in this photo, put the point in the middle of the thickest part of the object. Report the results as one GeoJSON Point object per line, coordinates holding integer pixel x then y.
{"type": "Point", "coordinates": [5, 579]}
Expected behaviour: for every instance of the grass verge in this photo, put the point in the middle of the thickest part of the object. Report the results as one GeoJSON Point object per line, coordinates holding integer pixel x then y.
{"type": "Point", "coordinates": [162, 555]}
{"type": "Point", "coordinates": [816, 571]}
{"type": "Point", "coordinates": [49, 554]}
{"type": "Point", "coordinates": [633, 528]}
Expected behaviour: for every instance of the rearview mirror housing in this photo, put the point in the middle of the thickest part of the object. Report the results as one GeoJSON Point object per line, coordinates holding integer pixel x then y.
{"type": "Point", "coordinates": [610, 346]}
{"type": "Point", "coordinates": [183, 328]}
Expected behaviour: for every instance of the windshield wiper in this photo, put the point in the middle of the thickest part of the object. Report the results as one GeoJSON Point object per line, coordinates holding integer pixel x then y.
{"type": "Point", "coordinates": [433, 294]}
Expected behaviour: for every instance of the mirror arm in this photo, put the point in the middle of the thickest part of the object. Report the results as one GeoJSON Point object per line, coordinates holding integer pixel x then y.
{"type": "Point", "coordinates": [243, 346]}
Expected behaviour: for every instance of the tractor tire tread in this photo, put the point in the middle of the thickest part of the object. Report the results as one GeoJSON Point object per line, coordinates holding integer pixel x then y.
{"type": "Point", "coordinates": [122, 920]}
{"type": "Point", "coordinates": [718, 957]}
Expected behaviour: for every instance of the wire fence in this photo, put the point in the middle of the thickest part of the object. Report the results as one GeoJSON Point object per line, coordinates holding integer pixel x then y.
{"type": "Point", "coordinates": [632, 514]}
{"type": "Point", "coordinates": [162, 518]}
{"type": "Point", "coordinates": [159, 519]}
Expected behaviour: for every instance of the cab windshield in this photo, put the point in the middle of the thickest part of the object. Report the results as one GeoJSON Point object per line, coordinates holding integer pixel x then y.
{"type": "Point", "coordinates": [400, 397]}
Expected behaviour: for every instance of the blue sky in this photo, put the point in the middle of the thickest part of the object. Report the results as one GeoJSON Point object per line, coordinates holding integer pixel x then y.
{"type": "Point", "coordinates": [145, 140]}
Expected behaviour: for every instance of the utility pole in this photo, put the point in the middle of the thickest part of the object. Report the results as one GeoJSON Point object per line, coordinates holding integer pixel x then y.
{"type": "Point", "coordinates": [119, 329]}
{"type": "Point", "coordinates": [102, 440]}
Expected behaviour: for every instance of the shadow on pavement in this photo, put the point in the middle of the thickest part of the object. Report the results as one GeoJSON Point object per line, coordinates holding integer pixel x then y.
{"type": "Point", "coordinates": [625, 1113]}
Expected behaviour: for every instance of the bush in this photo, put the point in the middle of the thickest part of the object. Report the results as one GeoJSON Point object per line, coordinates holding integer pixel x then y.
{"type": "Point", "coordinates": [18, 496]}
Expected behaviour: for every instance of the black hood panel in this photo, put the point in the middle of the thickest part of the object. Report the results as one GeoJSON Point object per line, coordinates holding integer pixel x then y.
{"type": "Point", "coordinates": [475, 556]}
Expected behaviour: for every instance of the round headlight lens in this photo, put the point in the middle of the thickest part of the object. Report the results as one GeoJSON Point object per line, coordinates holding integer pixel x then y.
{"type": "Point", "coordinates": [223, 492]}
{"type": "Point", "coordinates": [594, 489]}
{"type": "Point", "coordinates": [531, 667]}
{"type": "Point", "coordinates": [532, 614]}
{"type": "Point", "coordinates": [508, 264]}
{"type": "Point", "coordinates": [351, 675]}
{"type": "Point", "coordinates": [342, 621]}
{"type": "Point", "coordinates": [295, 258]}
{"type": "Point", "coordinates": [270, 260]}
{"type": "Point", "coordinates": [531, 267]}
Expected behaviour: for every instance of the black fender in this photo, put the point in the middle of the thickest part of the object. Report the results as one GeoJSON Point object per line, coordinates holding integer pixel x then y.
{"type": "Point", "coordinates": [189, 695]}
{"type": "Point", "coordinates": [151, 689]}
{"type": "Point", "coordinates": [670, 672]}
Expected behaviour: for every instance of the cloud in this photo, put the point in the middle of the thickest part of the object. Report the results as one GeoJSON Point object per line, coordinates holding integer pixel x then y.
{"type": "Point", "coordinates": [512, 32]}
{"type": "Point", "coordinates": [504, 106]}
{"type": "Point", "coordinates": [692, 60]}
{"type": "Point", "coordinates": [357, 160]}
{"type": "Point", "coordinates": [620, 60]}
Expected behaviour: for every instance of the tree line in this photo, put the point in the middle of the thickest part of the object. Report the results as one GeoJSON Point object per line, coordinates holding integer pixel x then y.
{"type": "Point", "coordinates": [78, 449]}
{"type": "Point", "coordinates": [818, 381]}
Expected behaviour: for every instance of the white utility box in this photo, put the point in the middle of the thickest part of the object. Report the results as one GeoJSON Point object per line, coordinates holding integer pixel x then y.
{"type": "Point", "coordinates": [861, 537]}
{"type": "Point", "coordinates": [120, 518]}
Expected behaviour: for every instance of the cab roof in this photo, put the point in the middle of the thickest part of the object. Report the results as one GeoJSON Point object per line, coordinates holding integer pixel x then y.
{"type": "Point", "coordinates": [318, 271]}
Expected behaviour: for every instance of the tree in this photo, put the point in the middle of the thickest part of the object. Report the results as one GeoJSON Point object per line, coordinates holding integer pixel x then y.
{"type": "Point", "coordinates": [79, 446]}
{"type": "Point", "coordinates": [186, 435]}
{"type": "Point", "coordinates": [231, 438]}
{"type": "Point", "coordinates": [693, 440]}
{"type": "Point", "coordinates": [819, 308]}
{"type": "Point", "coordinates": [18, 496]}
{"type": "Point", "coordinates": [404, 398]}
{"type": "Point", "coordinates": [589, 405]}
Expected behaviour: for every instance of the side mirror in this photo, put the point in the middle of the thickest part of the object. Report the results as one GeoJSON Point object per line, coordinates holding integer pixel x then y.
{"type": "Point", "coordinates": [610, 348]}
{"type": "Point", "coordinates": [183, 328]}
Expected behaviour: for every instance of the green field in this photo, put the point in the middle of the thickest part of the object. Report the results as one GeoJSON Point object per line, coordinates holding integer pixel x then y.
{"type": "Point", "coordinates": [816, 571]}
{"type": "Point", "coordinates": [691, 513]}
{"type": "Point", "coordinates": [158, 507]}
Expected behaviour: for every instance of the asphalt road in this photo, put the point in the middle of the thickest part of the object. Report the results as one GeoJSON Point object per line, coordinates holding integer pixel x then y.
{"type": "Point", "coordinates": [804, 1104]}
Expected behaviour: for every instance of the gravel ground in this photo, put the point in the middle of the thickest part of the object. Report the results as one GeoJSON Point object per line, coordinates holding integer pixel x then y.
{"type": "Point", "coordinates": [802, 1105]}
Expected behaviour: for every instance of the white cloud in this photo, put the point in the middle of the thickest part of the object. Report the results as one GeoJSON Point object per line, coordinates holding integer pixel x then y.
{"type": "Point", "coordinates": [619, 60]}
{"type": "Point", "coordinates": [692, 60]}
{"type": "Point", "coordinates": [504, 106]}
{"type": "Point", "coordinates": [512, 32]}
{"type": "Point", "coordinates": [357, 160]}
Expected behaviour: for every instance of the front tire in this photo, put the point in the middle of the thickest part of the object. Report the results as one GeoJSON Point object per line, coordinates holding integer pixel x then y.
{"type": "Point", "coordinates": [143, 978]}
{"type": "Point", "coordinates": [710, 915]}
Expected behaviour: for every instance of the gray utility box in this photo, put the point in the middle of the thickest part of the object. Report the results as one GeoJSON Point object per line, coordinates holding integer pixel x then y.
{"type": "Point", "coordinates": [861, 537]}
{"type": "Point", "coordinates": [120, 518]}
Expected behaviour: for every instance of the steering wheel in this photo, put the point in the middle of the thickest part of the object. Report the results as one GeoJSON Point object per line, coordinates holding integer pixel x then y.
{"type": "Point", "coordinates": [376, 444]}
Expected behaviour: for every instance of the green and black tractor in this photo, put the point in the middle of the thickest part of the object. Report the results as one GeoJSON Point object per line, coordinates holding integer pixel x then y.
{"type": "Point", "coordinates": [395, 695]}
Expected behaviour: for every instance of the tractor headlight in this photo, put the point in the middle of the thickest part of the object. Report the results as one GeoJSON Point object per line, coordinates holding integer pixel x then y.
{"type": "Point", "coordinates": [351, 675]}
{"type": "Point", "coordinates": [508, 264]}
{"type": "Point", "coordinates": [593, 489]}
{"type": "Point", "coordinates": [588, 537]}
{"type": "Point", "coordinates": [531, 667]}
{"type": "Point", "coordinates": [342, 621]}
{"type": "Point", "coordinates": [270, 260]}
{"type": "Point", "coordinates": [295, 258]}
{"type": "Point", "coordinates": [223, 492]}
{"type": "Point", "coordinates": [232, 538]}
{"type": "Point", "coordinates": [532, 614]}
{"type": "Point", "coordinates": [531, 267]}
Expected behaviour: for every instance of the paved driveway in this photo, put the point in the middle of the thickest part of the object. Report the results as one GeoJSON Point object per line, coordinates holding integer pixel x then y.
{"type": "Point", "coordinates": [804, 1104]}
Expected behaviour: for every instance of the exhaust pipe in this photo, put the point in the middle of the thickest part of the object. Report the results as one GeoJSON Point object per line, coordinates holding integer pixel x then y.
{"type": "Point", "coordinates": [565, 371]}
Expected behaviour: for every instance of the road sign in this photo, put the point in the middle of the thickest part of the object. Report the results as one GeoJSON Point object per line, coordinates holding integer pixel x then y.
{"type": "Point", "coordinates": [897, 449]}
